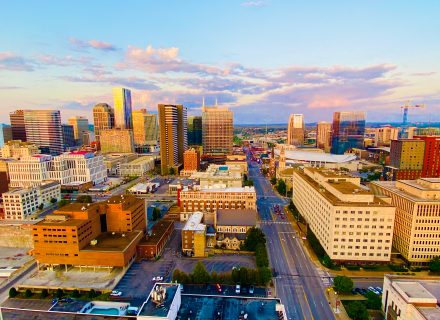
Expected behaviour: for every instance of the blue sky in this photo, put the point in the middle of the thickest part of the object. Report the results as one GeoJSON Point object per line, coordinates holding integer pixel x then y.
{"type": "Point", "coordinates": [263, 59]}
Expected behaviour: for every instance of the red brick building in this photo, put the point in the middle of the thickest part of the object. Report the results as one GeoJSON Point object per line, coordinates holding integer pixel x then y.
{"type": "Point", "coordinates": [153, 244]}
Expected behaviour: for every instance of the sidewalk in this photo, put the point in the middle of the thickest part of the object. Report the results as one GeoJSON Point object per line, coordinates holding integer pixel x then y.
{"type": "Point", "coordinates": [339, 311]}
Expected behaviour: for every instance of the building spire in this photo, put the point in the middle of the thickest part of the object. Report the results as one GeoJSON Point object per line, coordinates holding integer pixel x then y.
{"type": "Point", "coordinates": [203, 102]}
{"type": "Point", "coordinates": [216, 104]}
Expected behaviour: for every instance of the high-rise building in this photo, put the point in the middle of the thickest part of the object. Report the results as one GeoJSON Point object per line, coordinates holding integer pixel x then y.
{"type": "Point", "coordinates": [5, 134]}
{"type": "Point", "coordinates": [103, 118]}
{"type": "Point", "coordinates": [323, 135]}
{"type": "Point", "coordinates": [417, 226]}
{"type": "Point", "coordinates": [217, 131]}
{"type": "Point", "coordinates": [383, 136]}
{"type": "Point", "coordinates": [43, 128]}
{"type": "Point", "coordinates": [144, 128]}
{"type": "Point", "coordinates": [18, 126]}
{"type": "Point", "coordinates": [173, 135]}
{"type": "Point", "coordinates": [191, 160]}
{"type": "Point", "coordinates": [80, 127]}
{"type": "Point", "coordinates": [295, 130]}
{"type": "Point", "coordinates": [431, 159]}
{"type": "Point", "coordinates": [194, 130]}
{"type": "Point", "coordinates": [68, 136]}
{"type": "Point", "coordinates": [117, 140]}
{"type": "Point", "coordinates": [406, 159]}
{"type": "Point", "coordinates": [348, 130]}
{"type": "Point", "coordinates": [122, 108]}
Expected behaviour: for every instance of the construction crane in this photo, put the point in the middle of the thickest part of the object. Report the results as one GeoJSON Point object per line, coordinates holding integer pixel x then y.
{"type": "Point", "coordinates": [405, 108]}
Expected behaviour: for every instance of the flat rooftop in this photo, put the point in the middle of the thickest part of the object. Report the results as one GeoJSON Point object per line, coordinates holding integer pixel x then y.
{"type": "Point", "coordinates": [195, 222]}
{"type": "Point", "coordinates": [231, 189]}
{"type": "Point", "coordinates": [347, 187]}
{"type": "Point", "coordinates": [141, 160]}
{"type": "Point", "coordinates": [75, 206]}
{"type": "Point", "coordinates": [413, 290]}
{"type": "Point", "coordinates": [149, 308]}
{"type": "Point", "coordinates": [113, 242]}
{"type": "Point", "coordinates": [391, 186]}
{"type": "Point", "coordinates": [55, 222]}
{"type": "Point", "coordinates": [229, 217]}
{"type": "Point", "coordinates": [158, 231]}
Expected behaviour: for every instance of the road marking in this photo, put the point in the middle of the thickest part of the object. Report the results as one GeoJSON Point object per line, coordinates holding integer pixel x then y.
{"type": "Point", "coordinates": [307, 300]}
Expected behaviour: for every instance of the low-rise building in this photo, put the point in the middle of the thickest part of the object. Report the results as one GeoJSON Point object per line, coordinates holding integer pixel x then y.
{"type": "Point", "coordinates": [113, 162]}
{"type": "Point", "coordinates": [417, 222]}
{"type": "Point", "coordinates": [217, 198]}
{"type": "Point", "coordinates": [137, 167]}
{"type": "Point", "coordinates": [156, 239]}
{"type": "Point", "coordinates": [4, 175]}
{"type": "Point", "coordinates": [17, 149]}
{"type": "Point", "coordinates": [220, 175]}
{"type": "Point", "coordinates": [20, 204]}
{"type": "Point", "coordinates": [232, 225]}
{"type": "Point", "coordinates": [237, 160]}
{"type": "Point", "coordinates": [411, 298]}
{"type": "Point", "coordinates": [352, 224]}
{"type": "Point", "coordinates": [194, 236]}
{"type": "Point", "coordinates": [191, 162]}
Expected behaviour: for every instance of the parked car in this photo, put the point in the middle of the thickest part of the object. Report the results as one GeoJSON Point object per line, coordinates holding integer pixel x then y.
{"type": "Point", "coordinates": [373, 290]}
{"type": "Point", "coordinates": [251, 289]}
{"type": "Point", "coordinates": [237, 289]}
{"type": "Point", "coordinates": [379, 289]}
{"type": "Point", "coordinates": [219, 288]}
{"type": "Point", "coordinates": [116, 293]}
{"type": "Point", "coordinates": [158, 278]}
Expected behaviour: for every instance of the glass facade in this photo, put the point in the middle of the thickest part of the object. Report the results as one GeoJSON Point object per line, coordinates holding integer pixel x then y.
{"type": "Point", "coordinates": [347, 131]}
{"type": "Point", "coordinates": [195, 130]}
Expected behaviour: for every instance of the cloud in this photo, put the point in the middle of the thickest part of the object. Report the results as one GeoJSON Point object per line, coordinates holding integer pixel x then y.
{"type": "Point", "coordinates": [423, 74]}
{"type": "Point", "coordinates": [255, 3]}
{"type": "Point", "coordinates": [91, 44]}
{"type": "Point", "coordinates": [65, 61]}
{"type": "Point", "coordinates": [10, 87]}
{"type": "Point", "coordinates": [13, 62]}
{"type": "Point", "coordinates": [130, 82]}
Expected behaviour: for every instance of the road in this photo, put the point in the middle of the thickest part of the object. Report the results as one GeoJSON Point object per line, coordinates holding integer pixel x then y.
{"type": "Point", "coordinates": [4, 291]}
{"type": "Point", "coordinates": [298, 283]}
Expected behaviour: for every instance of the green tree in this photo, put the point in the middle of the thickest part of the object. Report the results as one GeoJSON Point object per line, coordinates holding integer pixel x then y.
{"type": "Point", "coordinates": [327, 262]}
{"type": "Point", "coordinates": [199, 274]}
{"type": "Point", "coordinates": [44, 293]}
{"type": "Point", "coordinates": [59, 293]}
{"type": "Point", "coordinates": [261, 257]}
{"type": "Point", "coordinates": [264, 275]}
{"type": "Point", "coordinates": [245, 177]}
{"type": "Point", "coordinates": [62, 203]}
{"type": "Point", "coordinates": [281, 187]}
{"type": "Point", "coordinates": [434, 264]}
{"type": "Point", "coordinates": [254, 236]}
{"type": "Point", "coordinates": [243, 276]}
{"type": "Point", "coordinates": [356, 310]}
{"type": "Point", "coordinates": [92, 294]}
{"type": "Point", "coordinates": [214, 278]}
{"type": "Point", "coordinates": [343, 284]}
{"type": "Point", "coordinates": [235, 275]}
{"type": "Point", "coordinates": [177, 276]}
{"type": "Point", "coordinates": [171, 171]}
{"type": "Point", "coordinates": [248, 183]}
{"type": "Point", "coordinates": [75, 293]}
{"type": "Point", "coordinates": [13, 292]}
{"type": "Point", "coordinates": [156, 214]}
{"type": "Point", "coordinates": [273, 180]}
{"type": "Point", "coordinates": [28, 293]}
{"type": "Point", "coordinates": [84, 199]}
{"type": "Point", "coordinates": [373, 301]}
{"type": "Point", "coordinates": [41, 206]}
{"type": "Point", "coordinates": [53, 200]}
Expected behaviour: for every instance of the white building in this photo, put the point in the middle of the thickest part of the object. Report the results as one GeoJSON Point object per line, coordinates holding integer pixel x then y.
{"type": "Point", "coordinates": [351, 223]}
{"type": "Point", "coordinates": [220, 175]}
{"type": "Point", "coordinates": [21, 203]}
{"type": "Point", "coordinates": [137, 167]}
{"type": "Point", "coordinates": [411, 298]}
{"type": "Point", "coordinates": [68, 168]}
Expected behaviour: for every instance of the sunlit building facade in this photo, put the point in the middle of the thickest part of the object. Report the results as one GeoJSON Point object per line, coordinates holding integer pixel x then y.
{"type": "Point", "coordinates": [122, 108]}
{"type": "Point", "coordinates": [217, 130]}
{"type": "Point", "coordinates": [144, 128]}
{"type": "Point", "coordinates": [348, 130]}
{"type": "Point", "coordinates": [295, 130]}
{"type": "Point", "coordinates": [103, 118]}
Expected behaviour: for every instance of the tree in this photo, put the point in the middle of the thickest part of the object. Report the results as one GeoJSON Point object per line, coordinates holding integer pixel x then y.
{"type": "Point", "coordinates": [281, 187]}
{"type": "Point", "coordinates": [245, 177]}
{"type": "Point", "coordinates": [41, 206]}
{"type": "Point", "coordinates": [84, 199]}
{"type": "Point", "coordinates": [254, 236]}
{"type": "Point", "coordinates": [373, 301]}
{"type": "Point", "coordinates": [273, 180]}
{"type": "Point", "coordinates": [264, 275]}
{"type": "Point", "coordinates": [261, 258]}
{"type": "Point", "coordinates": [356, 310]}
{"type": "Point", "coordinates": [92, 294]}
{"type": "Point", "coordinates": [171, 171]}
{"type": "Point", "coordinates": [156, 214]}
{"type": "Point", "coordinates": [243, 276]}
{"type": "Point", "coordinates": [343, 284]}
{"type": "Point", "coordinates": [199, 274]}
{"type": "Point", "coordinates": [28, 293]}
{"type": "Point", "coordinates": [235, 275]}
{"type": "Point", "coordinates": [434, 264]}
{"type": "Point", "coordinates": [177, 276]}
{"type": "Point", "coordinates": [62, 203]}
{"type": "Point", "coordinates": [13, 292]}
{"type": "Point", "coordinates": [248, 183]}
{"type": "Point", "coordinates": [327, 262]}
{"type": "Point", "coordinates": [53, 200]}
{"type": "Point", "coordinates": [75, 293]}
{"type": "Point", "coordinates": [59, 294]}
{"type": "Point", "coordinates": [44, 293]}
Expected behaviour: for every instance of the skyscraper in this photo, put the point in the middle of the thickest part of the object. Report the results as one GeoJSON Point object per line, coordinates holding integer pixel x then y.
{"type": "Point", "coordinates": [144, 128]}
{"type": "Point", "coordinates": [80, 127]}
{"type": "Point", "coordinates": [117, 140]}
{"type": "Point", "coordinates": [195, 130]}
{"type": "Point", "coordinates": [295, 130]}
{"type": "Point", "coordinates": [122, 106]}
{"type": "Point", "coordinates": [173, 135]}
{"type": "Point", "coordinates": [217, 130]}
{"type": "Point", "coordinates": [5, 134]}
{"type": "Point", "coordinates": [103, 118]}
{"type": "Point", "coordinates": [323, 135]}
{"type": "Point", "coordinates": [68, 136]}
{"type": "Point", "coordinates": [348, 130]}
{"type": "Point", "coordinates": [17, 124]}
{"type": "Point", "coordinates": [43, 128]}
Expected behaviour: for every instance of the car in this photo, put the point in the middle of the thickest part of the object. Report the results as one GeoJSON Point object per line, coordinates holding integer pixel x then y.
{"type": "Point", "coordinates": [373, 290]}
{"type": "Point", "coordinates": [304, 238]}
{"type": "Point", "coordinates": [116, 293]}
{"type": "Point", "coordinates": [244, 290]}
{"type": "Point", "coordinates": [378, 289]}
{"type": "Point", "coordinates": [237, 289]}
{"type": "Point", "coordinates": [219, 288]}
{"type": "Point", "coordinates": [251, 289]}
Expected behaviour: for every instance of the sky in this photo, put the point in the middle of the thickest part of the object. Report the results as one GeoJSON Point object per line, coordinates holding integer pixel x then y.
{"type": "Point", "coordinates": [264, 59]}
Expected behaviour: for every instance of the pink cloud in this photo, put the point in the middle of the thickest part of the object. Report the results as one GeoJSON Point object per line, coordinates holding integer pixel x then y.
{"type": "Point", "coordinates": [94, 44]}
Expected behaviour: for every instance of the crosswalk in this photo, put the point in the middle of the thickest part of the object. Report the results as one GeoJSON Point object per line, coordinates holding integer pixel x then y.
{"type": "Point", "coordinates": [273, 222]}
{"type": "Point", "coordinates": [327, 280]}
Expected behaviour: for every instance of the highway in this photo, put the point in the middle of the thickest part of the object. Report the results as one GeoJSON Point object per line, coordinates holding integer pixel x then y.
{"type": "Point", "coordinates": [298, 283]}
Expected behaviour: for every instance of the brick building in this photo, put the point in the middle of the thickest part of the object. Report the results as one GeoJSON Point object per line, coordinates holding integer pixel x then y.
{"type": "Point", "coordinates": [155, 241]}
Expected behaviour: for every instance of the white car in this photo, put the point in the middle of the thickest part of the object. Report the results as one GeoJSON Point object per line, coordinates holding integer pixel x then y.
{"type": "Point", "coordinates": [158, 278]}
{"type": "Point", "coordinates": [115, 293]}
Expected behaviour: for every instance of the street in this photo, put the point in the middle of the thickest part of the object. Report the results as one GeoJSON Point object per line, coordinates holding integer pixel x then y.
{"type": "Point", "coordinates": [298, 283]}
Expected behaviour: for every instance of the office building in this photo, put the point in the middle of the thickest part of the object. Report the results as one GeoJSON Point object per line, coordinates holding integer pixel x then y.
{"type": "Point", "coordinates": [137, 167]}
{"type": "Point", "coordinates": [43, 128]}
{"type": "Point", "coordinates": [21, 204]}
{"type": "Point", "coordinates": [68, 168]}
{"type": "Point", "coordinates": [295, 130]}
{"type": "Point", "coordinates": [383, 136]}
{"type": "Point", "coordinates": [195, 130]}
{"type": "Point", "coordinates": [18, 125]}
{"type": "Point", "coordinates": [103, 119]}
{"type": "Point", "coordinates": [348, 130]}
{"type": "Point", "coordinates": [323, 135]}
{"type": "Point", "coordinates": [431, 158]}
{"type": "Point", "coordinates": [17, 149]}
{"type": "Point", "coordinates": [80, 127]}
{"type": "Point", "coordinates": [351, 224]}
{"type": "Point", "coordinates": [209, 200]}
{"type": "Point", "coordinates": [217, 131]}
{"type": "Point", "coordinates": [411, 298]}
{"type": "Point", "coordinates": [406, 159]}
{"type": "Point", "coordinates": [191, 162]}
{"type": "Point", "coordinates": [220, 176]}
{"type": "Point", "coordinates": [173, 135]}
{"type": "Point", "coordinates": [113, 162]}
{"type": "Point", "coordinates": [122, 108]}
{"type": "Point", "coordinates": [117, 140]}
{"type": "Point", "coordinates": [5, 134]}
{"type": "Point", "coordinates": [68, 136]}
{"type": "Point", "coordinates": [417, 223]}
{"type": "Point", "coordinates": [99, 234]}
{"type": "Point", "coordinates": [144, 128]}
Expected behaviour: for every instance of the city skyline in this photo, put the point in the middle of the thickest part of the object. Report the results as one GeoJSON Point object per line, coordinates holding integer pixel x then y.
{"type": "Point", "coordinates": [372, 60]}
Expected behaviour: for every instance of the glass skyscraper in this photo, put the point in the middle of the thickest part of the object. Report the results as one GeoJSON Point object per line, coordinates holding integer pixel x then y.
{"type": "Point", "coordinates": [348, 130]}
{"type": "Point", "coordinates": [195, 130]}
{"type": "Point", "coordinates": [122, 108]}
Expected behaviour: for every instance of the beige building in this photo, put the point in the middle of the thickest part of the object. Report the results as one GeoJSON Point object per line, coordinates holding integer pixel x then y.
{"type": "Point", "coordinates": [80, 127]}
{"type": "Point", "coordinates": [117, 140]}
{"type": "Point", "coordinates": [17, 149]}
{"type": "Point", "coordinates": [137, 167]}
{"type": "Point", "coordinates": [237, 159]}
{"type": "Point", "coordinates": [103, 119]}
{"type": "Point", "coordinates": [217, 132]}
{"type": "Point", "coordinates": [352, 224]}
{"type": "Point", "coordinates": [194, 236]}
{"type": "Point", "coordinates": [220, 176]}
{"type": "Point", "coordinates": [295, 130]}
{"type": "Point", "coordinates": [113, 162]}
{"type": "Point", "coordinates": [231, 227]}
{"type": "Point", "coordinates": [144, 128]}
{"type": "Point", "coordinates": [323, 135]}
{"type": "Point", "coordinates": [411, 298]}
{"type": "Point", "coordinates": [417, 225]}
{"type": "Point", "coordinates": [214, 199]}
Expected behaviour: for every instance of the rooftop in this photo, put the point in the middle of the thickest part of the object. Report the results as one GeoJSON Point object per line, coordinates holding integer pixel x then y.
{"type": "Point", "coordinates": [158, 231]}
{"type": "Point", "coordinates": [346, 187]}
{"type": "Point", "coordinates": [393, 186]}
{"type": "Point", "coordinates": [141, 159]}
{"type": "Point", "coordinates": [152, 309]}
{"type": "Point", "coordinates": [195, 222]}
{"type": "Point", "coordinates": [113, 241]}
{"type": "Point", "coordinates": [231, 189]}
{"type": "Point", "coordinates": [308, 156]}
{"type": "Point", "coordinates": [230, 217]}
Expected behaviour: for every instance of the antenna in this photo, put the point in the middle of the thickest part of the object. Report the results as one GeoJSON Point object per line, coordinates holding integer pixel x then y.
{"type": "Point", "coordinates": [216, 104]}
{"type": "Point", "coordinates": [203, 101]}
